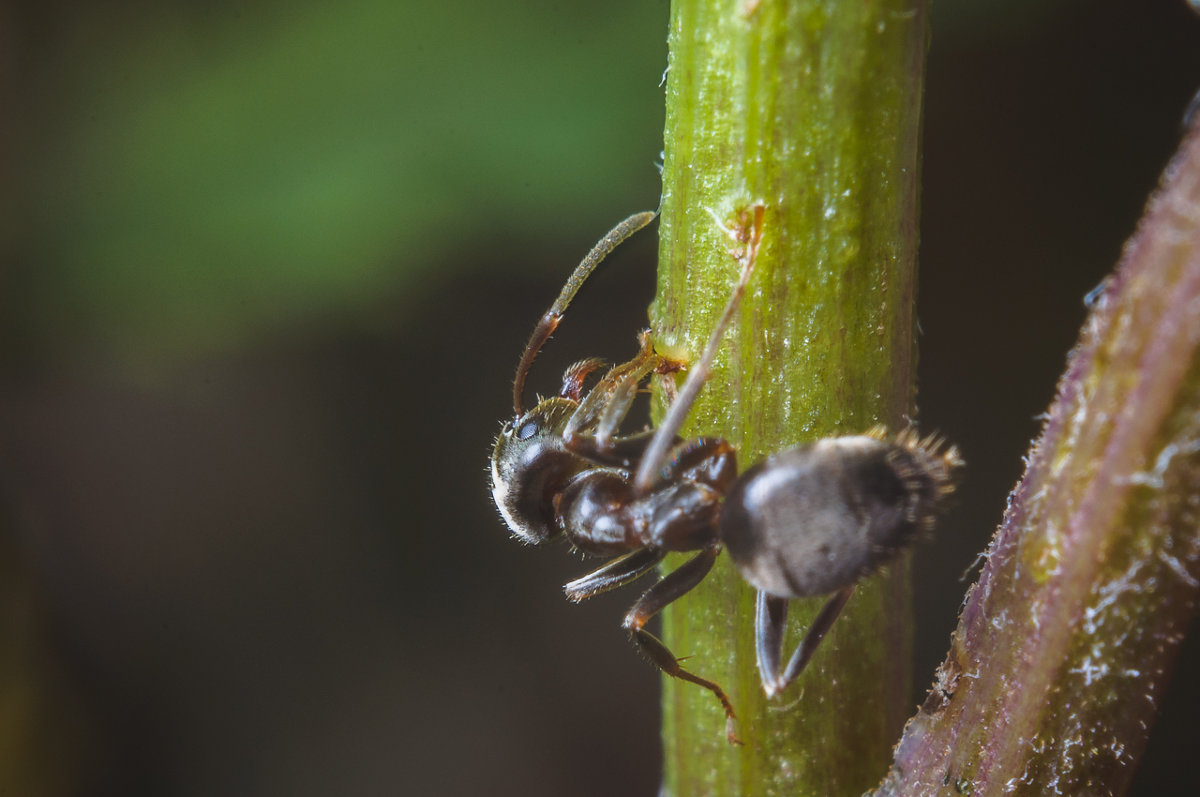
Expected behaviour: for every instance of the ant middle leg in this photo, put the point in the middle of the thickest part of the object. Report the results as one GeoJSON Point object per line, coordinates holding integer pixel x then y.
{"type": "Point", "coordinates": [770, 619]}
{"type": "Point", "coordinates": [670, 588]}
{"type": "Point", "coordinates": [616, 573]}
{"type": "Point", "coordinates": [658, 450]}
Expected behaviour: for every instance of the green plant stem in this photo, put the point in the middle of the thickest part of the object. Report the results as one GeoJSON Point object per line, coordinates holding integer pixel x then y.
{"type": "Point", "coordinates": [1065, 646]}
{"type": "Point", "coordinates": [811, 108]}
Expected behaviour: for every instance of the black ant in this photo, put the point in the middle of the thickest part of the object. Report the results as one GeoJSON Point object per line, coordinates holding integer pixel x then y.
{"type": "Point", "coordinates": [808, 521]}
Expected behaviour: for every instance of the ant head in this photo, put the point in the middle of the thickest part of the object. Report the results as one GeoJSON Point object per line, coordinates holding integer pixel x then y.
{"type": "Point", "coordinates": [529, 463]}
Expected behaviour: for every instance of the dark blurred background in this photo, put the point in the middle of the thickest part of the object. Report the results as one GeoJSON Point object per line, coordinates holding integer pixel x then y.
{"type": "Point", "coordinates": [267, 269]}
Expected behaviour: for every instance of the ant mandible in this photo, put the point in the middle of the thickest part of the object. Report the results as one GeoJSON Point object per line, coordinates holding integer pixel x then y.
{"type": "Point", "coordinates": [808, 521]}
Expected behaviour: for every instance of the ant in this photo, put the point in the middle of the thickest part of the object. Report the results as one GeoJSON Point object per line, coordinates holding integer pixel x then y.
{"type": "Point", "coordinates": [808, 521]}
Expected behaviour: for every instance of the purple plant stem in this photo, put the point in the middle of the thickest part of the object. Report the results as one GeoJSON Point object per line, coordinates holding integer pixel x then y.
{"type": "Point", "coordinates": [1065, 645]}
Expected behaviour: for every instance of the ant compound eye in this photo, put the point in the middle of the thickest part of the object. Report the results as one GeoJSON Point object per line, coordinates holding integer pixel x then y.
{"type": "Point", "coordinates": [528, 430]}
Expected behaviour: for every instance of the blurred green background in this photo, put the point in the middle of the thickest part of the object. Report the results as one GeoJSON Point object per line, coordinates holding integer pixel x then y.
{"type": "Point", "coordinates": [267, 269]}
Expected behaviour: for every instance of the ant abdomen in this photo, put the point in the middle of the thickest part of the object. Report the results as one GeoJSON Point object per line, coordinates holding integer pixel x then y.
{"type": "Point", "coordinates": [814, 519]}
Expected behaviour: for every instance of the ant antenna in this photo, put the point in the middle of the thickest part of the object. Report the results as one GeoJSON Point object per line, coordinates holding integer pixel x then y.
{"type": "Point", "coordinates": [664, 436]}
{"type": "Point", "coordinates": [545, 327]}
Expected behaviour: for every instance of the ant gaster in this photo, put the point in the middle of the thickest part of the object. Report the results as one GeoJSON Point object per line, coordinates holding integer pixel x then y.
{"type": "Point", "coordinates": [808, 521]}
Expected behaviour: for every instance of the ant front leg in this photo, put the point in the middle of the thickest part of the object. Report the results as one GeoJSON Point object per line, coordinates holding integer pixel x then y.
{"type": "Point", "coordinates": [606, 405]}
{"type": "Point", "coordinates": [670, 588]}
{"type": "Point", "coordinates": [770, 621]}
{"type": "Point", "coordinates": [591, 431]}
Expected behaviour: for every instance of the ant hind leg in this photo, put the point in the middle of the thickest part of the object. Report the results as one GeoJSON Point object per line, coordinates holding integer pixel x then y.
{"type": "Point", "coordinates": [770, 619]}
{"type": "Point", "coordinates": [669, 588]}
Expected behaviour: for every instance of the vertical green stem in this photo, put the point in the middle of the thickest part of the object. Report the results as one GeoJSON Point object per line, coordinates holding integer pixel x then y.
{"type": "Point", "coordinates": [811, 108]}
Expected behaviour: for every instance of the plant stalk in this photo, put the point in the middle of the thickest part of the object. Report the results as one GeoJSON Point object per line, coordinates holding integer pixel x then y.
{"type": "Point", "coordinates": [810, 108]}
